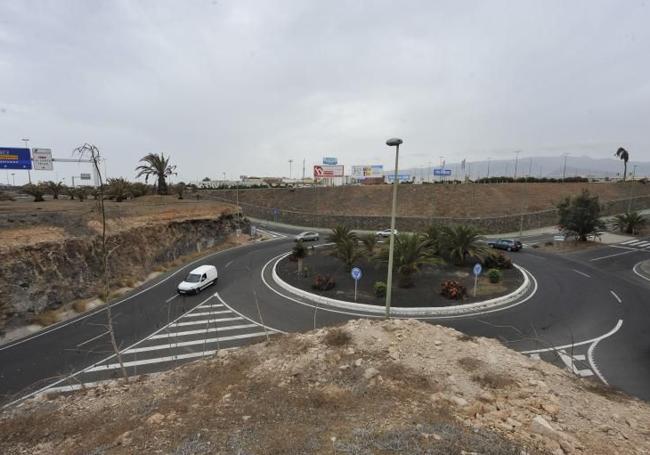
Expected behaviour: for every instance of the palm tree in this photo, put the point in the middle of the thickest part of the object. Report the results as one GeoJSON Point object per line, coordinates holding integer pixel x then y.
{"type": "Point", "coordinates": [433, 235]}
{"type": "Point", "coordinates": [625, 156]}
{"type": "Point", "coordinates": [54, 188]}
{"type": "Point", "coordinates": [410, 252]}
{"type": "Point", "coordinates": [460, 242]}
{"type": "Point", "coordinates": [34, 190]}
{"type": "Point", "coordinates": [156, 166]}
{"type": "Point", "coordinates": [300, 253]}
{"type": "Point", "coordinates": [340, 233]}
{"type": "Point", "coordinates": [629, 222]}
{"type": "Point", "coordinates": [347, 250]}
{"type": "Point", "coordinates": [370, 243]}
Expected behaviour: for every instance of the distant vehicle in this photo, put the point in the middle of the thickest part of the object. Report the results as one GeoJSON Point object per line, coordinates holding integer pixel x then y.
{"type": "Point", "coordinates": [198, 279]}
{"type": "Point", "coordinates": [307, 237]}
{"type": "Point", "coordinates": [506, 244]}
{"type": "Point", "coordinates": [385, 233]}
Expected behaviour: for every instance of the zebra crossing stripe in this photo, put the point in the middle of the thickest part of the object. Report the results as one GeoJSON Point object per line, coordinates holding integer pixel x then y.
{"type": "Point", "coordinates": [193, 343]}
{"type": "Point", "coordinates": [171, 358]}
{"type": "Point", "coordinates": [206, 313]}
{"type": "Point", "coordinates": [205, 321]}
{"type": "Point", "coordinates": [643, 244]}
{"type": "Point", "coordinates": [628, 242]}
{"type": "Point", "coordinates": [200, 331]}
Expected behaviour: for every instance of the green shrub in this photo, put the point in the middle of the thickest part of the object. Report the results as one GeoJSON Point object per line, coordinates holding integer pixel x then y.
{"type": "Point", "coordinates": [323, 282]}
{"type": "Point", "coordinates": [497, 260]}
{"type": "Point", "coordinates": [494, 275]}
{"type": "Point", "coordinates": [380, 289]}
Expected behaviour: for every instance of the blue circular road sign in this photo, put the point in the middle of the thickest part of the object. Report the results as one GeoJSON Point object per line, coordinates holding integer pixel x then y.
{"type": "Point", "coordinates": [477, 269]}
{"type": "Point", "coordinates": [356, 273]}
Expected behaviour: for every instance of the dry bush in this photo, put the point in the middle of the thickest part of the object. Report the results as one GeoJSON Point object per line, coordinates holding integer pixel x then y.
{"type": "Point", "coordinates": [465, 337]}
{"type": "Point", "coordinates": [493, 380]}
{"type": "Point", "coordinates": [47, 317]}
{"type": "Point", "coordinates": [470, 363]}
{"type": "Point", "coordinates": [337, 337]}
{"type": "Point", "coordinates": [80, 306]}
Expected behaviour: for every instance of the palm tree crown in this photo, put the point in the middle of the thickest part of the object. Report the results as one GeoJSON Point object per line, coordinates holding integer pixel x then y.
{"type": "Point", "coordinates": [157, 166]}
{"type": "Point", "coordinates": [410, 252]}
{"type": "Point", "coordinates": [625, 156]}
{"type": "Point", "coordinates": [457, 243]}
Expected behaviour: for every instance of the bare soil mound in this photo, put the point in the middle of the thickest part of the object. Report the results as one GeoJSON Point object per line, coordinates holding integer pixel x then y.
{"type": "Point", "coordinates": [363, 388]}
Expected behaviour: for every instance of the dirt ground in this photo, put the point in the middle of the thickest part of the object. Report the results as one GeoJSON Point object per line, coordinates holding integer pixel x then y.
{"type": "Point", "coordinates": [425, 292]}
{"type": "Point", "coordinates": [368, 387]}
{"type": "Point", "coordinates": [24, 222]}
{"type": "Point", "coordinates": [476, 200]}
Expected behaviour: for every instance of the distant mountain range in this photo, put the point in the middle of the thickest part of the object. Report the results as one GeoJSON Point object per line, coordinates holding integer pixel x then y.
{"type": "Point", "coordinates": [539, 166]}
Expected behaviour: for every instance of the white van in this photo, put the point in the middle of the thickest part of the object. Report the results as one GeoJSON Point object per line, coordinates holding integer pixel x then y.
{"type": "Point", "coordinates": [198, 279]}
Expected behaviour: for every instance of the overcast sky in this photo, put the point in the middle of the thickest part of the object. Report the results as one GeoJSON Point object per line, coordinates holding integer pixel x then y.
{"type": "Point", "coordinates": [242, 86]}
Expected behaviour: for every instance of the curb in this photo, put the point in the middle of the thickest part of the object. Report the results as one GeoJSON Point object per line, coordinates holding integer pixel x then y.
{"type": "Point", "coordinates": [638, 270]}
{"type": "Point", "coordinates": [454, 310]}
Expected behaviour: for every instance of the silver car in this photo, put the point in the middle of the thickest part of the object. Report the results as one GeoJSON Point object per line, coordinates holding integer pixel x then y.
{"type": "Point", "coordinates": [385, 233]}
{"type": "Point", "coordinates": [307, 237]}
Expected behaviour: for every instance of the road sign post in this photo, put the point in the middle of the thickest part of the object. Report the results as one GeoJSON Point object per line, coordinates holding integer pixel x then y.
{"type": "Point", "coordinates": [477, 271]}
{"type": "Point", "coordinates": [356, 276]}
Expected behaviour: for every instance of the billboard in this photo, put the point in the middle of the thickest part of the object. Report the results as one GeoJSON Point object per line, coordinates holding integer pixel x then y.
{"type": "Point", "coordinates": [330, 160]}
{"type": "Point", "coordinates": [15, 158]}
{"type": "Point", "coordinates": [403, 178]}
{"type": "Point", "coordinates": [328, 171]}
{"type": "Point", "coordinates": [442, 172]}
{"type": "Point", "coordinates": [84, 176]}
{"type": "Point", "coordinates": [361, 172]}
{"type": "Point", "coordinates": [42, 159]}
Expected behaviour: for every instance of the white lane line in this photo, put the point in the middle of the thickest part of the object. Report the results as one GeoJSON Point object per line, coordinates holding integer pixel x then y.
{"type": "Point", "coordinates": [580, 343]}
{"type": "Point", "coordinates": [77, 373]}
{"type": "Point", "coordinates": [216, 294]}
{"type": "Point", "coordinates": [204, 321]}
{"type": "Point", "coordinates": [209, 307]}
{"type": "Point", "coordinates": [581, 273]}
{"type": "Point", "coordinates": [228, 264]}
{"type": "Point", "coordinates": [202, 331]}
{"type": "Point", "coordinates": [171, 358]}
{"type": "Point", "coordinates": [614, 255]}
{"type": "Point", "coordinates": [171, 298]}
{"type": "Point", "coordinates": [93, 338]}
{"type": "Point", "coordinates": [636, 272]}
{"type": "Point", "coordinates": [207, 313]}
{"type": "Point", "coordinates": [180, 344]}
{"type": "Point", "coordinates": [618, 299]}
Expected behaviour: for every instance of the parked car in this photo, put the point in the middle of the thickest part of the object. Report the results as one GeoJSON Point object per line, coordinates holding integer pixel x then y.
{"type": "Point", "coordinates": [385, 233]}
{"type": "Point", "coordinates": [506, 244]}
{"type": "Point", "coordinates": [198, 279]}
{"type": "Point", "coordinates": [307, 237]}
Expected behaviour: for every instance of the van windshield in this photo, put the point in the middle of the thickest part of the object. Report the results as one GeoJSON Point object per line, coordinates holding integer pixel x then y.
{"type": "Point", "coordinates": [193, 278]}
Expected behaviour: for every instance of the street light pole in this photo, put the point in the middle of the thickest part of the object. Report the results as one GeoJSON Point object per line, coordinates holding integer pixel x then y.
{"type": "Point", "coordinates": [389, 281]}
{"type": "Point", "coordinates": [29, 173]}
{"type": "Point", "coordinates": [516, 162]}
{"type": "Point", "coordinates": [564, 169]}
{"type": "Point", "coordinates": [488, 170]}
{"type": "Point", "coordinates": [290, 163]}
{"type": "Point", "coordinates": [13, 178]}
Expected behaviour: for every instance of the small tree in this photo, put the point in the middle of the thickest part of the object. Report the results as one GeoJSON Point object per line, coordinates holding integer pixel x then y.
{"type": "Point", "coordinates": [457, 243]}
{"type": "Point", "coordinates": [629, 222]}
{"type": "Point", "coordinates": [82, 193]}
{"type": "Point", "coordinates": [36, 191]}
{"type": "Point", "coordinates": [579, 216]}
{"type": "Point", "coordinates": [347, 250]}
{"type": "Point", "coordinates": [625, 156]}
{"type": "Point", "coordinates": [411, 251]}
{"type": "Point", "coordinates": [180, 190]}
{"type": "Point", "coordinates": [299, 252]}
{"type": "Point", "coordinates": [340, 233]}
{"type": "Point", "coordinates": [435, 239]}
{"type": "Point", "coordinates": [118, 189]}
{"type": "Point", "coordinates": [370, 243]}
{"type": "Point", "coordinates": [156, 166]}
{"type": "Point", "coordinates": [54, 188]}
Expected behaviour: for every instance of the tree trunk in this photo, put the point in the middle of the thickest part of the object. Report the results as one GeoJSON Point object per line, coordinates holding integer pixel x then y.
{"type": "Point", "coordinates": [300, 260]}
{"type": "Point", "coordinates": [162, 185]}
{"type": "Point", "coordinates": [624, 170]}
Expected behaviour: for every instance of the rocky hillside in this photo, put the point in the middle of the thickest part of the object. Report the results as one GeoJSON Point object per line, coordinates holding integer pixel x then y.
{"type": "Point", "coordinates": [364, 388]}
{"type": "Point", "coordinates": [44, 276]}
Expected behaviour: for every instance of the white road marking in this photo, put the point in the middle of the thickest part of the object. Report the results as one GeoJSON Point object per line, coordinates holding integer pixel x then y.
{"type": "Point", "coordinates": [569, 361]}
{"type": "Point", "coordinates": [207, 313]}
{"type": "Point", "coordinates": [581, 273]}
{"type": "Point", "coordinates": [644, 244]}
{"type": "Point", "coordinates": [203, 321]}
{"type": "Point", "coordinates": [228, 264]}
{"type": "Point", "coordinates": [171, 358]}
{"type": "Point", "coordinates": [636, 272]}
{"type": "Point", "coordinates": [614, 255]}
{"type": "Point", "coordinates": [628, 242]}
{"type": "Point", "coordinates": [180, 344]}
{"type": "Point", "coordinates": [201, 331]}
{"type": "Point", "coordinates": [171, 298]}
{"type": "Point", "coordinates": [580, 343]}
{"type": "Point", "coordinates": [616, 296]}
{"type": "Point", "coordinates": [209, 307]}
{"type": "Point", "coordinates": [216, 294]}
{"type": "Point", "coordinates": [93, 338]}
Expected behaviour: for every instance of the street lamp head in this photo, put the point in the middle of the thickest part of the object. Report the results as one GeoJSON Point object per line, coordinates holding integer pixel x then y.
{"type": "Point", "coordinates": [393, 141]}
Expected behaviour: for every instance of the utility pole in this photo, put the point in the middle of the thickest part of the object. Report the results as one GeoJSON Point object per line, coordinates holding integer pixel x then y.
{"type": "Point", "coordinates": [29, 173]}
{"type": "Point", "coordinates": [290, 163]}
{"type": "Point", "coordinates": [516, 162]}
{"type": "Point", "coordinates": [303, 170]}
{"type": "Point", "coordinates": [488, 170]}
{"type": "Point", "coordinates": [566, 155]}
{"type": "Point", "coordinates": [530, 168]}
{"type": "Point", "coordinates": [634, 172]}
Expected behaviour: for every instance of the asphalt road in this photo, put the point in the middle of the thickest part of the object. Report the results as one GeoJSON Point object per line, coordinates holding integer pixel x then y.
{"type": "Point", "coordinates": [588, 314]}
